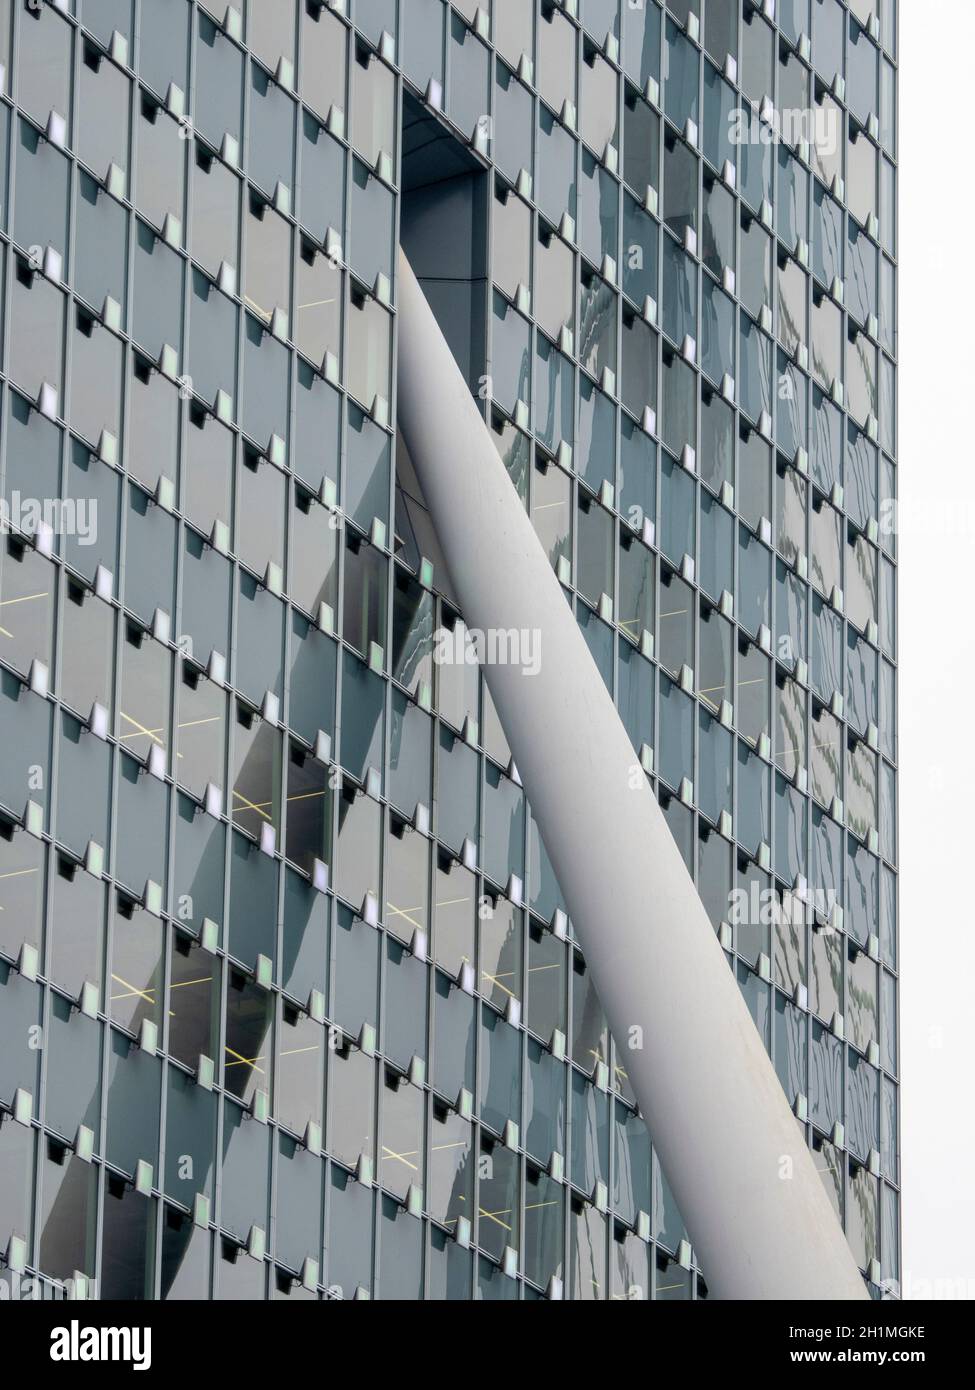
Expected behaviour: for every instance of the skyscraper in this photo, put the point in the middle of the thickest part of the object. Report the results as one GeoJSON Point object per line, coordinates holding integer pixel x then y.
{"type": "Point", "coordinates": [290, 999]}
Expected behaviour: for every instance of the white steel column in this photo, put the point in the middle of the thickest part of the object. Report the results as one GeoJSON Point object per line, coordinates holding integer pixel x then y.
{"type": "Point", "coordinates": [731, 1148]}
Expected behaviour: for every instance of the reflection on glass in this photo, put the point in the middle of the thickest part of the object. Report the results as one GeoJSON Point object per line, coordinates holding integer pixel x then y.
{"type": "Point", "coordinates": [247, 1050]}
{"type": "Point", "coordinates": [194, 1001]}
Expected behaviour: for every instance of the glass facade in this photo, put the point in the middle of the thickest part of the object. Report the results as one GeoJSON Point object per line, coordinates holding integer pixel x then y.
{"type": "Point", "coordinates": [290, 1005]}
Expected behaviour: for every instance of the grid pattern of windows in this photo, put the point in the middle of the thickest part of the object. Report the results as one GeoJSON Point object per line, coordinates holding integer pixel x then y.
{"type": "Point", "coordinates": [289, 1001]}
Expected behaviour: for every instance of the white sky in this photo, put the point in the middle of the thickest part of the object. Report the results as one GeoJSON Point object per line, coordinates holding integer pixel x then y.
{"type": "Point", "coordinates": [937, 645]}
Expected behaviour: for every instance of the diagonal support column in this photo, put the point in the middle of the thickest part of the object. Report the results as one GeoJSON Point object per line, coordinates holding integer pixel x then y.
{"type": "Point", "coordinates": [732, 1150]}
